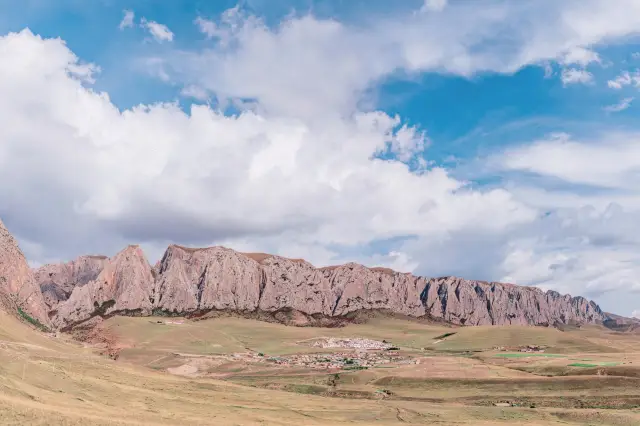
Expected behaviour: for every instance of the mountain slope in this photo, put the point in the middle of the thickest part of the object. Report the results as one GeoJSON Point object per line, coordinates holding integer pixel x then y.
{"type": "Point", "coordinates": [18, 287]}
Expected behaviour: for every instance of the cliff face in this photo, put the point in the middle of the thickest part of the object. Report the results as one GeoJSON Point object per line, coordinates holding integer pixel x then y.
{"type": "Point", "coordinates": [57, 281]}
{"type": "Point", "coordinates": [190, 280]}
{"type": "Point", "coordinates": [124, 285]}
{"type": "Point", "coordinates": [216, 278]}
{"type": "Point", "coordinates": [18, 287]}
{"type": "Point", "coordinates": [468, 302]}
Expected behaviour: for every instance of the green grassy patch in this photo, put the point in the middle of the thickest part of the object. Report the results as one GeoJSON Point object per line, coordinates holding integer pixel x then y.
{"type": "Point", "coordinates": [599, 364]}
{"type": "Point", "coordinates": [528, 354]}
{"type": "Point", "coordinates": [32, 320]}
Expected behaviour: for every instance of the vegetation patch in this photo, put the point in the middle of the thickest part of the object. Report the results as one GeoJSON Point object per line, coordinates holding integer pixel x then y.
{"type": "Point", "coordinates": [32, 320]}
{"type": "Point", "coordinates": [528, 354]}
{"type": "Point", "coordinates": [443, 336]}
{"type": "Point", "coordinates": [599, 364]}
{"type": "Point", "coordinates": [305, 389]}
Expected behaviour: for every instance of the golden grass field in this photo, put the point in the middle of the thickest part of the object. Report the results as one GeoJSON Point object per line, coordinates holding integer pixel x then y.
{"type": "Point", "coordinates": [456, 380]}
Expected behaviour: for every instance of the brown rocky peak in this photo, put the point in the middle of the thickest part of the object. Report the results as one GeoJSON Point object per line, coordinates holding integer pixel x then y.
{"type": "Point", "coordinates": [18, 287]}
{"type": "Point", "coordinates": [192, 280]}
{"type": "Point", "coordinates": [57, 281]}
{"type": "Point", "coordinates": [199, 280]}
{"type": "Point", "coordinates": [124, 285]}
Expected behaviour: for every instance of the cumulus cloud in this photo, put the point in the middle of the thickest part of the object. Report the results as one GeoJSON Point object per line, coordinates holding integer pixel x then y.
{"type": "Point", "coordinates": [127, 20]}
{"type": "Point", "coordinates": [586, 239]}
{"type": "Point", "coordinates": [277, 63]}
{"type": "Point", "coordinates": [159, 32]}
{"type": "Point", "coordinates": [204, 177]}
{"type": "Point", "coordinates": [309, 167]}
{"type": "Point", "coordinates": [576, 76]}
{"type": "Point", "coordinates": [620, 106]}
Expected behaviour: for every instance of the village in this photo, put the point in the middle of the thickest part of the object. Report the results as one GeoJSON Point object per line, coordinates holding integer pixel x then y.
{"type": "Point", "coordinates": [357, 354]}
{"type": "Point", "coordinates": [351, 360]}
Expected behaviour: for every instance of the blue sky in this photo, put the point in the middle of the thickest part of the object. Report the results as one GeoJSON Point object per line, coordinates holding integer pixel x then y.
{"type": "Point", "coordinates": [453, 109]}
{"type": "Point", "coordinates": [505, 134]}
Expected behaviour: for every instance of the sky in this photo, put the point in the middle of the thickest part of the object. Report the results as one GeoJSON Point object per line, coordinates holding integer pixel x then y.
{"type": "Point", "coordinates": [488, 139]}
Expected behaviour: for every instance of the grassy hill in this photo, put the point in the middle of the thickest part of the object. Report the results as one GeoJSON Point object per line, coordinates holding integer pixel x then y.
{"type": "Point", "coordinates": [56, 380]}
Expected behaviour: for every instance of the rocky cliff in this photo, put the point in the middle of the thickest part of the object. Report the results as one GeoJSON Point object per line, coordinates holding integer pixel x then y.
{"type": "Point", "coordinates": [124, 285]}
{"type": "Point", "coordinates": [57, 281]}
{"type": "Point", "coordinates": [197, 281]}
{"type": "Point", "coordinates": [18, 288]}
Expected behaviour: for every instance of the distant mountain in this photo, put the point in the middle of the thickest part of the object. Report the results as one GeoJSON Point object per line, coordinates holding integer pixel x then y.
{"type": "Point", "coordinates": [622, 324]}
{"type": "Point", "coordinates": [191, 281]}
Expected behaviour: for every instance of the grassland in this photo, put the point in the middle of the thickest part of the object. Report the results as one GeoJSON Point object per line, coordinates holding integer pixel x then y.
{"type": "Point", "coordinates": [452, 379]}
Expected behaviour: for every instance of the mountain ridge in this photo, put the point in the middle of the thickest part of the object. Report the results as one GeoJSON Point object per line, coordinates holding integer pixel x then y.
{"type": "Point", "coordinates": [194, 281]}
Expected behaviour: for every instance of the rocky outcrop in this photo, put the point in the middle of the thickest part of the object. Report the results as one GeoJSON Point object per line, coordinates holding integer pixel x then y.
{"type": "Point", "coordinates": [18, 288]}
{"type": "Point", "coordinates": [125, 285]}
{"type": "Point", "coordinates": [191, 280]}
{"type": "Point", "coordinates": [57, 281]}
{"type": "Point", "coordinates": [466, 302]}
{"type": "Point", "coordinates": [355, 288]}
{"type": "Point", "coordinates": [294, 284]}
{"type": "Point", "coordinates": [198, 281]}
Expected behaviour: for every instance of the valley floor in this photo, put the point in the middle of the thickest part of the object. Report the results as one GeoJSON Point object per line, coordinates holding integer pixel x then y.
{"type": "Point", "coordinates": [230, 371]}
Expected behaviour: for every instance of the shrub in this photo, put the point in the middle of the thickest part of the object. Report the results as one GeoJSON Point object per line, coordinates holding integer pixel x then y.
{"type": "Point", "coordinates": [32, 320]}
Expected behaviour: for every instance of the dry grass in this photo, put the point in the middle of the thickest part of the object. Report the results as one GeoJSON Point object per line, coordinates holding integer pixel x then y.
{"type": "Point", "coordinates": [46, 380]}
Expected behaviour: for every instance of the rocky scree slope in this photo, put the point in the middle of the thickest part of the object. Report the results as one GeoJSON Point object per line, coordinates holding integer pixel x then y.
{"type": "Point", "coordinates": [196, 281]}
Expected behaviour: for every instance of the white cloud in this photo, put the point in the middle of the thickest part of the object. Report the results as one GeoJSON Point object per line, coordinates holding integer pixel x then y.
{"type": "Point", "coordinates": [158, 31]}
{"type": "Point", "coordinates": [625, 79]}
{"type": "Point", "coordinates": [434, 5]}
{"type": "Point", "coordinates": [231, 20]}
{"type": "Point", "coordinates": [195, 92]}
{"type": "Point", "coordinates": [579, 56]}
{"type": "Point", "coordinates": [613, 164]}
{"type": "Point", "coordinates": [620, 106]}
{"type": "Point", "coordinates": [292, 68]}
{"type": "Point", "coordinates": [294, 173]}
{"type": "Point", "coordinates": [206, 27]}
{"type": "Point", "coordinates": [576, 76]}
{"type": "Point", "coordinates": [202, 177]}
{"type": "Point", "coordinates": [585, 239]}
{"type": "Point", "coordinates": [127, 20]}
{"type": "Point", "coordinates": [635, 314]}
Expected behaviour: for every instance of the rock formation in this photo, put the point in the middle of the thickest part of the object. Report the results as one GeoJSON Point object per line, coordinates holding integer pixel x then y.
{"type": "Point", "coordinates": [57, 281]}
{"type": "Point", "coordinates": [197, 281]}
{"type": "Point", "coordinates": [466, 302]}
{"type": "Point", "coordinates": [18, 287]}
{"type": "Point", "coordinates": [124, 285]}
{"type": "Point", "coordinates": [190, 280]}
